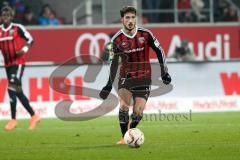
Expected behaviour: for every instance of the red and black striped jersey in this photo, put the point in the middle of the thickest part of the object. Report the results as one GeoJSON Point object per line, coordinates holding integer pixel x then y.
{"type": "Point", "coordinates": [134, 52]}
{"type": "Point", "coordinates": [12, 39]}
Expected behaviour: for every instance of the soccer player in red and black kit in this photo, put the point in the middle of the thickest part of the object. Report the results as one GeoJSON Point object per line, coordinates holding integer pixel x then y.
{"type": "Point", "coordinates": [15, 41]}
{"type": "Point", "coordinates": [131, 45]}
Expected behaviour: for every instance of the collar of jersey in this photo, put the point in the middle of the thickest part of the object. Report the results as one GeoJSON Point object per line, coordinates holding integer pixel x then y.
{"type": "Point", "coordinates": [6, 29]}
{"type": "Point", "coordinates": [129, 35]}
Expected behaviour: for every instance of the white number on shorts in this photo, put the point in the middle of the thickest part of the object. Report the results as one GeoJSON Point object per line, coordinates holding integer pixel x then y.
{"type": "Point", "coordinates": [123, 80]}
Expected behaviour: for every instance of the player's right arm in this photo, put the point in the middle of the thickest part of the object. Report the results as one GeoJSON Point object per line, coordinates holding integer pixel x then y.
{"type": "Point", "coordinates": [114, 59]}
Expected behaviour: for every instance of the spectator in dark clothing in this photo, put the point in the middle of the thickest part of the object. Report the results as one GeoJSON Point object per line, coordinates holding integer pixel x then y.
{"type": "Point", "coordinates": [229, 15]}
{"type": "Point", "coordinates": [219, 8]}
{"type": "Point", "coordinates": [28, 18]}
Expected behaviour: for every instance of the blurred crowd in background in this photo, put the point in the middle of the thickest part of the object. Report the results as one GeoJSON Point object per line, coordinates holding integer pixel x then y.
{"type": "Point", "coordinates": [27, 16]}
{"type": "Point", "coordinates": [153, 11]}
{"type": "Point", "coordinates": [191, 10]}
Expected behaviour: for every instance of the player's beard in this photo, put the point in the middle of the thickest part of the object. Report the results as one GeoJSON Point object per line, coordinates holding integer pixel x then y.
{"type": "Point", "coordinates": [129, 29]}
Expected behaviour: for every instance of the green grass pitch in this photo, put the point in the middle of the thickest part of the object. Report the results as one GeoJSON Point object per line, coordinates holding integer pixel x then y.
{"type": "Point", "coordinates": [208, 136]}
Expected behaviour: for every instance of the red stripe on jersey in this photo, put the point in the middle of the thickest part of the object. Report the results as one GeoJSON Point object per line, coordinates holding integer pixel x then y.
{"type": "Point", "coordinates": [10, 48]}
{"type": "Point", "coordinates": [140, 45]}
{"type": "Point", "coordinates": [120, 48]}
{"type": "Point", "coordinates": [5, 49]}
{"type": "Point", "coordinates": [140, 42]}
{"type": "Point", "coordinates": [146, 54]}
{"type": "Point", "coordinates": [146, 36]}
{"type": "Point", "coordinates": [133, 45]}
{"type": "Point", "coordinates": [14, 49]}
{"type": "Point", "coordinates": [2, 49]}
{"type": "Point", "coordinates": [134, 56]}
{"type": "Point", "coordinates": [138, 54]}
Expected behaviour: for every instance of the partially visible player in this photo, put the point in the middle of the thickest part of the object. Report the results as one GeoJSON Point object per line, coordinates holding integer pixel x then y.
{"type": "Point", "coordinates": [131, 45]}
{"type": "Point", "coordinates": [15, 42]}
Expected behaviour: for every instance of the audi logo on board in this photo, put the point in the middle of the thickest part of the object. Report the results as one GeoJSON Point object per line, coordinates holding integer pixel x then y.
{"type": "Point", "coordinates": [94, 45]}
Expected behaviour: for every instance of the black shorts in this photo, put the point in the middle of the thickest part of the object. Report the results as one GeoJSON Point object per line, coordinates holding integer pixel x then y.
{"type": "Point", "coordinates": [138, 87]}
{"type": "Point", "coordinates": [14, 74]}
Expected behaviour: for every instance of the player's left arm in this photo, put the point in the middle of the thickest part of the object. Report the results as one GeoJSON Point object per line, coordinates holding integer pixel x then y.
{"type": "Point", "coordinates": [156, 46]}
{"type": "Point", "coordinates": [28, 38]}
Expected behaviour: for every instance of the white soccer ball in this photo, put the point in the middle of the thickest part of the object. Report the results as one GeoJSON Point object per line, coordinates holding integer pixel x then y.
{"type": "Point", "coordinates": [134, 137]}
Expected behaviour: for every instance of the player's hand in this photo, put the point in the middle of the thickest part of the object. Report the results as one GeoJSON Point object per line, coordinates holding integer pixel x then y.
{"type": "Point", "coordinates": [23, 50]}
{"type": "Point", "coordinates": [19, 53]}
{"type": "Point", "coordinates": [166, 78]}
{"type": "Point", "coordinates": [105, 91]}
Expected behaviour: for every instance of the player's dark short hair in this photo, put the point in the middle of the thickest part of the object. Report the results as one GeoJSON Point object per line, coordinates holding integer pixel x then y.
{"type": "Point", "coordinates": [7, 9]}
{"type": "Point", "coordinates": [127, 9]}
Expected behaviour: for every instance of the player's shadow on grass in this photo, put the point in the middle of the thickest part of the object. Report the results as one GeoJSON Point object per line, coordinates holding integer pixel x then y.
{"type": "Point", "coordinates": [94, 147]}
